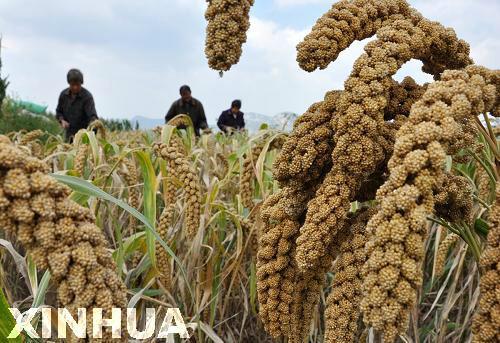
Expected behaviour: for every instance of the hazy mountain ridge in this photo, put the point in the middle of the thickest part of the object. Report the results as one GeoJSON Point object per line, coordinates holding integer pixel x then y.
{"type": "Point", "coordinates": [283, 120]}
{"type": "Point", "coordinates": [146, 123]}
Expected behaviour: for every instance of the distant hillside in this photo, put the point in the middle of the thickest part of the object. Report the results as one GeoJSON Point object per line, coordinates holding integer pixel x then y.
{"type": "Point", "coordinates": [146, 123]}
{"type": "Point", "coordinates": [282, 121]}
{"type": "Point", "coordinates": [285, 120]}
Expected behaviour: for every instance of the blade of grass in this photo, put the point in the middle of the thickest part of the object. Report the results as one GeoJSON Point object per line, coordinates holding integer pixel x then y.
{"type": "Point", "coordinates": [84, 187]}
{"type": "Point", "coordinates": [7, 322]}
{"type": "Point", "coordinates": [32, 275]}
{"type": "Point", "coordinates": [149, 191]}
{"type": "Point", "coordinates": [42, 290]}
{"type": "Point", "coordinates": [21, 265]}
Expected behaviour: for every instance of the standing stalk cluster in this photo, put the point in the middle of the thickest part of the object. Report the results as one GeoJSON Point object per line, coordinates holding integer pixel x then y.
{"type": "Point", "coordinates": [486, 324]}
{"type": "Point", "coordinates": [344, 23]}
{"type": "Point", "coordinates": [228, 23]}
{"type": "Point", "coordinates": [132, 179]}
{"type": "Point", "coordinates": [80, 159]}
{"type": "Point", "coordinates": [363, 137]}
{"type": "Point", "coordinates": [442, 253]}
{"type": "Point", "coordinates": [249, 169]}
{"type": "Point", "coordinates": [280, 287]}
{"type": "Point", "coordinates": [286, 295]}
{"type": "Point", "coordinates": [342, 312]}
{"type": "Point", "coordinates": [31, 140]}
{"type": "Point", "coordinates": [165, 221]}
{"type": "Point", "coordinates": [248, 176]}
{"type": "Point", "coordinates": [437, 126]}
{"type": "Point", "coordinates": [58, 234]}
{"type": "Point", "coordinates": [98, 127]}
{"type": "Point", "coordinates": [376, 139]}
{"type": "Point", "coordinates": [180, 168]}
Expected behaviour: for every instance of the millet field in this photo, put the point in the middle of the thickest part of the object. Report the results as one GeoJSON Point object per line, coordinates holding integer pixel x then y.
{"type": "Point", "coordinates": [377, 219]}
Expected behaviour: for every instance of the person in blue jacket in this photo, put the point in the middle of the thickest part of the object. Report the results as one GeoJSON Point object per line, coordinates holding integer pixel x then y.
{"type": "Point", "coordinates": [232, 119]}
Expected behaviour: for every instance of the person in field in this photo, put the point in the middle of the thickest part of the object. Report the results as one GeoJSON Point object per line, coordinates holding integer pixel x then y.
{"type": "Point", "coordinates": [189, 106]}
{"type": "Point", "coordinates": [232, 119]}
{"type": "Point", "coordinates": [76, 107]}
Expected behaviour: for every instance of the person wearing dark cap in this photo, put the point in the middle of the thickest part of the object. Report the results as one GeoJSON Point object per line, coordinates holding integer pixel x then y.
{"type": "Point", "coordinates": [189, 106]}
{"type": "Point", "coordinates": [76, 107]}
{"type": "Point", "coordinates": [232, 119]}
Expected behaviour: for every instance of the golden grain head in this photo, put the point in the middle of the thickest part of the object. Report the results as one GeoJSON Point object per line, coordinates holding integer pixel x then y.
{"type": "Point", "coordinates": [59, 234]}
{"type": "Point", "coordinates": [228, 22]}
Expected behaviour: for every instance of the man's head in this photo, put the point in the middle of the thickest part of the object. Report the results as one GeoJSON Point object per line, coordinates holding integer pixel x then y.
{"type": "Point", "coordinates": [75, 80]}
{"type": "Point", "coordinates": [236, 106]}
{"type": "Point", "coordinates": [185, 92]}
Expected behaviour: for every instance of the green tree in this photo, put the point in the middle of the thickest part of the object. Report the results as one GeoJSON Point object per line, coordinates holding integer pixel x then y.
{"type": "Point", "coordinates": [117, 124]}
{"type": "Point", "coordinates": [3, 81]}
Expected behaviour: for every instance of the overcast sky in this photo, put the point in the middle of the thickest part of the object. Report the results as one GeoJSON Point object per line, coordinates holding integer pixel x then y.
{"type": "Point", "coordinates": [136, 54]}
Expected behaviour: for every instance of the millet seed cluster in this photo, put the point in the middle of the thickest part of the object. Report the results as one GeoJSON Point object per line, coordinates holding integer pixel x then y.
{"type": "Point", "coordinates": [228, 23]}
{"type": "Point", "coordinates": [377, 138]}
{"type": "Point", "coordinates": [59, 234]}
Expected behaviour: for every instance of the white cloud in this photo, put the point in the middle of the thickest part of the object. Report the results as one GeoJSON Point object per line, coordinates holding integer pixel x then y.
{"type": "Point", "coordinates": [485, 52]}
{"type": "Point", "coordinates": [126, 50]}
{"type": "Point", "coordinates": [135, 55]}
{"type": "Point", "coordinates": [277, 44]}
{"type": "Point", "coordinates": [287, 3]}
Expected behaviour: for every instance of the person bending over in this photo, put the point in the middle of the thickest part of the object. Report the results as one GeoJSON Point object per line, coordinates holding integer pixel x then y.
{"type": "Point", "coordinates": [232, 119]}
{"type": "Point", "coordinates": [191, 107]}
{"type": "Point", "coordinates": [76, 107]}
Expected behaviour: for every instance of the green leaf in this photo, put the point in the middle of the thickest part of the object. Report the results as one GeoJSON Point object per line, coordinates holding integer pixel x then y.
{"type": "Point", "coordinates": [260, 163]}
{"type": "Point", "coordinates": [253, 287]}
{"type": "Point", "coordinates": [87, 188]}
{"type": "Point", "coordinates": [149, 191]}
{"type": "Point", "coordinates": [32, 276]}
{"type": "Point", "coordinates": [481, 227]}
{"type": "Point", "coordinates": [137, 296]}
{"type": "Point", "coordinates": [7, 322]}
{"type": "Point", "coordinates": [79, 198]}
{"type": "Point", "coordinates": [41, 290]}
{"type": "Point", "coordinates": [130, 245]}
{"type": "Point", "coordinates": [86, 136]}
